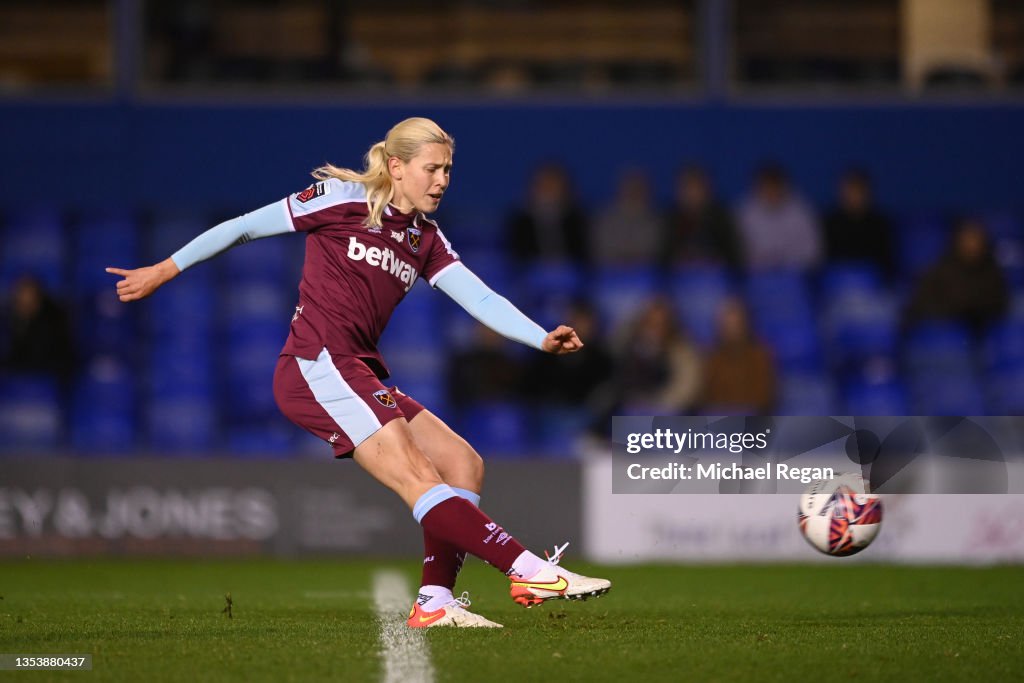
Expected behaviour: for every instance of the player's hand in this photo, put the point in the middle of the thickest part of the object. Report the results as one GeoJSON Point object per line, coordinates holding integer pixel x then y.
{"type": "Point", "coordinates": [561, 340]}
{"type": "Point", "coordinates": [141, 282]}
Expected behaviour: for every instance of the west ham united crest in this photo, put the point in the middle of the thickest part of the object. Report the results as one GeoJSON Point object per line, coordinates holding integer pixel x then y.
{"type": "Point", "coordinates": [385, 398]}
{"type": "Point", "coordinates": [414, 235]}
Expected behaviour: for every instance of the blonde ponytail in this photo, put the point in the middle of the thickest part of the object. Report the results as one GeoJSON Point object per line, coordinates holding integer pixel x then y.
{"type": "Point", "coordinates": [403, 141]}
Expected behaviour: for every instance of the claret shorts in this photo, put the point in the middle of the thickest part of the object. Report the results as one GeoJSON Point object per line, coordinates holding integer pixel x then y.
{"type": "Point", "coordinates": [338, 398]}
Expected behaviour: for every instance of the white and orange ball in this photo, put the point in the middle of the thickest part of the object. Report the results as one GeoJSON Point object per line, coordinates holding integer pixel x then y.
{"type": "Point", "coordinates": [839, 516]}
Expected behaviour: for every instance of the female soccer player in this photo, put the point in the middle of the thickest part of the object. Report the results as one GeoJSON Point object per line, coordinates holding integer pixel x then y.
{"type": "Point", "coordinates": [369, 241]}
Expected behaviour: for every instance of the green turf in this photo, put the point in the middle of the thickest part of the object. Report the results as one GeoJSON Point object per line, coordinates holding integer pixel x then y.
{"type": "Point", "coordinates": [309, 621]}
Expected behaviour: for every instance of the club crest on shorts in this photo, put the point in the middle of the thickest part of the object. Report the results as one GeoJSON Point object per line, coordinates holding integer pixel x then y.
{"type": "Point", "coordinates": [414, 235]}
{"type": "Point", "coordinates": [385, 398]}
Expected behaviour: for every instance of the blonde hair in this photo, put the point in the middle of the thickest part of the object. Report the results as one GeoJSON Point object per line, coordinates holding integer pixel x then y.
{"type": "Point", "coordinates": [403, 141]}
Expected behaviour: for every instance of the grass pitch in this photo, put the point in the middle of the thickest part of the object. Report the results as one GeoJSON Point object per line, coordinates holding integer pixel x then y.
{"type": "Point", "coordinates": [310, 621]}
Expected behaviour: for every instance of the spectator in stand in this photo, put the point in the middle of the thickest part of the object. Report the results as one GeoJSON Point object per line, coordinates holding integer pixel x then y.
{"type": "Point", "coordinates": [855, 229]}
{"type": "Point", "coordinates": [966, 285]}
{"type": "Point", "coordinates": [657, 368]}
{"type": "Point", "coordinates": [40, 333]}
{"type": "Point", "coordinates": [580, 382]}
{"type": "Point", "coordinates": [778, 228]}
{"type": "Point", "coordinates": [485, 371]}
{"type": "Point", "coordinates": [698, 228]}
{"type": "Point", "coordinates": [628, 232]}
{"type": "Point", "coordinates": [740, 371]}
{"type": "Point", "coordinates": [551, 226]}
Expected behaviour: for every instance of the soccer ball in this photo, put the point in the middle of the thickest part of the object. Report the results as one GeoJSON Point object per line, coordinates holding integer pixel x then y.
{"type": "Point", "coordinates": [838, 516]}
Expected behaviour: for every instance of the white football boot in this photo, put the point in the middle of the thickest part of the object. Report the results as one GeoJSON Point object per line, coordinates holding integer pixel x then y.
{"type": "Point", "coordinates": [452, 614]}
{"type": "Point", "coordinates": [555, 583]}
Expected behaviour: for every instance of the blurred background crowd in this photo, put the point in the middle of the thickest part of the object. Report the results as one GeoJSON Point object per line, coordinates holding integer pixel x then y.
{"type": "Point", "coordinates": [693, 295]}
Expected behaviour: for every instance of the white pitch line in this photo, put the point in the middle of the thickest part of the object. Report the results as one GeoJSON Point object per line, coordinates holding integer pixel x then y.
{"type": "Point", "coordinates": [406, 653]}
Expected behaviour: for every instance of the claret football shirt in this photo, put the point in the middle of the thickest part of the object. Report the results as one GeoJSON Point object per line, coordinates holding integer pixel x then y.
{"type": "Point", "coordinates": [353, 276]}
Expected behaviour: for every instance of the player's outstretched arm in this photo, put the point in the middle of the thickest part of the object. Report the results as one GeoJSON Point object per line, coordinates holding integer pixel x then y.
{"type": "Point", "coordinates": [266, 222]}
{"type": "Point", "coordinates": [141, 282]}
{"type": "Point", "coordinates": [497, 313]}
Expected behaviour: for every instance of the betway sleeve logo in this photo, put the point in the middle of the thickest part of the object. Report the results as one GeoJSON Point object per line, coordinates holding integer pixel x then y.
{"type": "Point", "coordinates": [385, 259]}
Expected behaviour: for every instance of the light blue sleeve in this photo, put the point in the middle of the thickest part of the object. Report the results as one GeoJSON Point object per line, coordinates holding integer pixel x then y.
{"type": "Point", "coordinates": [270, 220]}
{"type": "Point", "coordinates": [489, 307]}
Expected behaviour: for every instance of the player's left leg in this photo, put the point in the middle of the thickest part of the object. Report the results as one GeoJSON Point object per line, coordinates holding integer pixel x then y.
{"type": "Point", "coordinates": [462, 468]}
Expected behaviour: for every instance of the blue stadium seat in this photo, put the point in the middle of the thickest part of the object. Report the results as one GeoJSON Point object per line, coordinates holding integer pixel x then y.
{"type": "Point", "coordinates": [1006, 391]}
{"type": "Point", "coordinates": [619, 293]}
{"type": "Point", "coordinates": [103, 418]}
{"type": "Point", "coordinates": [780, 303]}
{"type": "Point", "coordinates": [265, 439]}
{"type": "Point", "coordinates": [247, 360]}
{"type": "Point", "coordinates": [186, 308]}
{"type": "Point", "coordinates": [490, 265]}
{"type": "Point", "coordinates": [416, 318]}
{"type": "Point", "coordinates": [1007, 234]}
{"type": "Point", "coordinates": [415, 365]}
{"type": "Point", "coordinates": [264, 261]}
{"type": "Point", "coordinates": [859, 324]}
{"type": "Point", "coordinates": [255, 302]}
{"type": "Point", "coordinates": [950, 393]}
{"type": "Point", "coordinates": [545, 291]}
{"type": "Point", "coordinates": [794, 343]}
{"type": "Point", "coordinates": [848, 279]}
{"type": "Point", "coordinates": [496, 429]}
{"type": "Point", "coordinates": [306, 445]}
{"type": "Point", "coordinates": [552, 277]}
{"type": "Point", "coordinates": [33, 244]}
{"type": "Point", "coordinates": [107, 239]}
{"type": "Point", "coordinates": [922, 238]}
{"type": "Point", "coordinates": [806, 394]}
{"type": "Point", "coordinates": [104, 325]}
{"type": "Point", "coordinates": [472, 226]}
{"type": "Point", "coordinates": [169, 232]}
{"type": "Point", "coordinates": [184, 421]}
{"type": "Point", "coordinates": [30, 413]}
{"type": "Point", "coordinates": [1016, 312]}
{"type": "Point", "coordinates": [431, 394]}
{"type": "Point", "coordinates": [863, 398]}
{"type": "Point", "coordinates": [1004, 224]}
{"type": "Point", "coordinates": [698, 293]}
{"type": "Point", "coordinates": [248, 399]}
{"type": "Point", "coordinates": [779, 295]}
{"type": "Point", "coordinates": [1004, 345]}
{"type": "Point", "coordinates": [938, 347]}
{"type": "Point", "coordinates": [177, 366]}
{"type": "Point", "coordinates": [556, 429]}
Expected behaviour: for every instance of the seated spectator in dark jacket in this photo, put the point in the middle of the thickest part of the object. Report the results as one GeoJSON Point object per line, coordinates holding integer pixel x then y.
{"type": "Point", "coordinates": [739, 376]}
{"type": "Point", "coordinates": [657, 367]}
{"type": "Point", "coordinates": [966, 285]}
{"type": "Point", "coordinates": [628, 231]}
{"type": "Point", "coordinates": [855, 229]}
{"type": "Point", "coordinates": [573, 380]}
{"type": "Point", "coordinates": [699, 227]}
{"type": "Point", "coordinates": [40, 333]}
{"type": "Point", "coordinates": [485, 371]}
{"type": "Point", "coordinates": [551, 226]}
